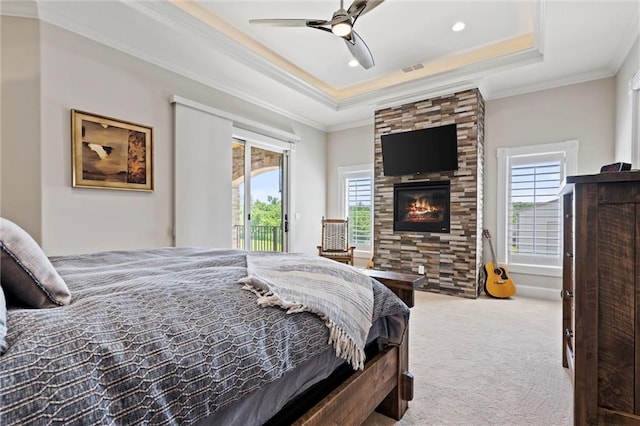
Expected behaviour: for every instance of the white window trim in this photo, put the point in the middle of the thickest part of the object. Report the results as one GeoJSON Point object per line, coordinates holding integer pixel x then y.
{"type": "Point", "coordinates": [288, 150]}
{"type": "Point", "coordinates": [343, 173]}
{"type": "Point", "coordinates": [634, 85]}
{"type": "Point", "coordinates": [570, 148]}
{"type": "Point", "coordinates": [547, 271]}
{"type": "Point", "coordinates": [262, 141]}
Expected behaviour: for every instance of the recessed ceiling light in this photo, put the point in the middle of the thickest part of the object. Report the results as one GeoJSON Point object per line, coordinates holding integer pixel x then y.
{"type": "Point", "coordinates": [354, 63]}
{"type": "Point", "coordinates": [458, 26]}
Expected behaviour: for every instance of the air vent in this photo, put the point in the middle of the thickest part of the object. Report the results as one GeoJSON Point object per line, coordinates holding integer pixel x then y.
{"type": "Point", "coordinates": [413, 68]}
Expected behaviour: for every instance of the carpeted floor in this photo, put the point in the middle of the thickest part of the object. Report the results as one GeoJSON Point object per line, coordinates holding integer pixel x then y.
{"type": "Point", "coordinates": [486, 362]}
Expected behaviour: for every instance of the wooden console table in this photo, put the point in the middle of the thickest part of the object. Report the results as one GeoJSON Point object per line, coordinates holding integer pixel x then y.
{"type": "Point", "coordinates": [403, 285]}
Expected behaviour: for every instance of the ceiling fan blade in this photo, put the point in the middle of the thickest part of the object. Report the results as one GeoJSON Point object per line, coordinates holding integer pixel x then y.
{"type": "Point", "coordinates": [359, 50]}
{"type": "Point", "coordinates": [360, 7]}
{"type": "Point", "coordinates": [288, 22]}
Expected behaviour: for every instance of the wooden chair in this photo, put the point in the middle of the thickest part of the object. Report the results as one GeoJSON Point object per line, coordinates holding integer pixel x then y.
{"type": "Point", "coordinates": [335, 241]}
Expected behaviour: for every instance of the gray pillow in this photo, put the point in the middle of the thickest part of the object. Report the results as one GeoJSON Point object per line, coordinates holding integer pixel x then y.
{"type": "Point", "coordinates": [26, 274]}
{"type": "Point", "coordinates": [3, 323]}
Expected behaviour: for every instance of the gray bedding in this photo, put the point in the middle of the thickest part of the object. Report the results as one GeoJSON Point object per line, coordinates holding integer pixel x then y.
{"type": "Point", "coordinates": [160, 336]}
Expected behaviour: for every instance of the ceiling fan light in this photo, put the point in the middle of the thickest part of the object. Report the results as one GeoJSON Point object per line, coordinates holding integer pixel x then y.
{"type": "Point", "coordinates": [341, 29]}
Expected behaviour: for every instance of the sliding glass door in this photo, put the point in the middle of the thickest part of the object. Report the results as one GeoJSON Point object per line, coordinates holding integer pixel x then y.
{"type": "Point", "coordinates": [259, 197]}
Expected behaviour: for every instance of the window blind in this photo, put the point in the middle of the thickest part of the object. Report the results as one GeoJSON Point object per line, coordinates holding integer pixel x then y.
{"type": "Point", "coordinates": [359, 195]}
{"type": "Point", "coordinates": [533, 227]}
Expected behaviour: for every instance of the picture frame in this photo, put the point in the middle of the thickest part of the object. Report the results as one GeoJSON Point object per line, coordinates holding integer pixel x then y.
{"type": "Point", "coordinates": [108, 153]}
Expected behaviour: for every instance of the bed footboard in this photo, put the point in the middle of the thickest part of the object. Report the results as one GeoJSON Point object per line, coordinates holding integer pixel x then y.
{"type": "Point", "coordinates": [397, 401]}
{"type": "Point", "coordinates": [385, 385]}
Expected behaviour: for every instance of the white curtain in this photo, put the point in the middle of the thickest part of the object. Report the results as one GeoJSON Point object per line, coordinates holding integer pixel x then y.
{"type": "Point", "coordinates": [202, 178]}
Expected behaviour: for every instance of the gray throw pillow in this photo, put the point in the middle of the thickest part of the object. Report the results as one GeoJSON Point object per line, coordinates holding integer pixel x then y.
{"type": "Point", "coordinates": [3, 323]}
{"type": "Point", "coordinates": [26, 274]}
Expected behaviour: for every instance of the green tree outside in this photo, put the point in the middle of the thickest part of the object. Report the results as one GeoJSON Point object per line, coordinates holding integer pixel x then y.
{"type": "Point", "coordinates": [360, 224]}
{"type": "Point", "coordinates": [266, 218]}
{"type": "Point", "coordinates": [267, 213]}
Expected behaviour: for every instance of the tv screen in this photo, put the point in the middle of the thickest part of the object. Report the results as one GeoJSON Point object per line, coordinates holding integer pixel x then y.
{"type": "Point", "coordinates": [420, 151]}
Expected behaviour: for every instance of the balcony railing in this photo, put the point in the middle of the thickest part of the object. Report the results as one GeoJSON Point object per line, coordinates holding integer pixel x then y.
{"type": "Point", "coordinates": [263, 238]}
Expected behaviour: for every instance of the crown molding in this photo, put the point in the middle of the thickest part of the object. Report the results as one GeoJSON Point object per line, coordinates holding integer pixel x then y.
{"type": "Point", "coordinates": [635, 81]}
{"type": "Point", "coordinates": [539, 24]}
{"type": "Point", "coordinates": [183, 15]}
{"type": "Point", "coordinates": [427, 93]}
{"type": "Point", "coordinates": [552, 84]}
{"type": "Point", "coordinates": [173, 16]}
{"type": "Point", "coordinates": [54, 17]}
{"type": "Point", "coordinates": [460, 79]}
{"type": "Point", "coordinates": [352, 124]}
{"type": "Point", "coordinates": [439, 84]}
{"type": "Point", "coordinates": [19, 9]}
{"type": "Point", "coordinates": [630, 36]}
{"type": "Point", "coordinates": [484, 87]}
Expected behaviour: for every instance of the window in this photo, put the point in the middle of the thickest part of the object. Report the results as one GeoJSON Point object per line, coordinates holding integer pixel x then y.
{"type": "Point", "coordinates": [533, 225]}
{"type": "Point", "coordinates": [357, 185]}
{"type": "Point", "coordinates": [530, 227]}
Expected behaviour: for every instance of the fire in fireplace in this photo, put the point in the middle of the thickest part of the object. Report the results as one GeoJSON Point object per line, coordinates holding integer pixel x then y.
{"type": "Point", "coordinates": [422, 206]}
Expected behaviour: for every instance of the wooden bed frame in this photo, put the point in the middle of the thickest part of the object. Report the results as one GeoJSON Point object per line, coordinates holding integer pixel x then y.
{"type": "Point", "coordinates": [385, 385]}
{"type": "Point", "coordinates": [347, 397]}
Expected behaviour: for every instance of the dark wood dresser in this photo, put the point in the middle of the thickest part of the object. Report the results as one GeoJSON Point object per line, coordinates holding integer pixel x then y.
{"type": "Point", "coordinates": [601, 296]}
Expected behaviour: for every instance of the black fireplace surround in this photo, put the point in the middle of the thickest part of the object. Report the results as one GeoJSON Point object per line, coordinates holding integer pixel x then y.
{"type": "Point", "coordinates": [422, 206]}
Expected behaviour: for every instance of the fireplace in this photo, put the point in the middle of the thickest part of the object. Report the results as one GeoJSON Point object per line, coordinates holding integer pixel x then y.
{"type": "Point", "coordinates": [422, 206]}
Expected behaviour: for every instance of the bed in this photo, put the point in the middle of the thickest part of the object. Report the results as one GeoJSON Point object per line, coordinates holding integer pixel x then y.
{"type": "Point", "coordinates": [191, 336]}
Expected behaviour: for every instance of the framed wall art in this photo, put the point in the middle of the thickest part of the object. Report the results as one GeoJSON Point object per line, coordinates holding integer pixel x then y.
{"type": "Point", "coordinates": [110, 153]}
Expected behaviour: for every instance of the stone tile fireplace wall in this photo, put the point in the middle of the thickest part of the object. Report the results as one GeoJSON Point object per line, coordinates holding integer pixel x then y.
{"type": "Point", "coordinates": [452, 260]}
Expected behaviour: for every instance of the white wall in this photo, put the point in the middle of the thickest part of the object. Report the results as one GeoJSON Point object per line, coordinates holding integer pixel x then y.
{"type": "Point", "coordinates": [348, 147]}
{"type": "Point", "coordinates": [78, 73]}
{"type": "Point", "coordinates": [20, 135]}
{"type": "Point", "coordinates": [624, 102]}
{"type": "Point", "coordinates": [309, 183]}
{"type": "Point", "coordinates": [585, 112]}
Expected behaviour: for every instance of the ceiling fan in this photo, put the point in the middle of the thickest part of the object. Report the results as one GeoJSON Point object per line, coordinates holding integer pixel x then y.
{"type": "Point", "coordinates": [341, 24]}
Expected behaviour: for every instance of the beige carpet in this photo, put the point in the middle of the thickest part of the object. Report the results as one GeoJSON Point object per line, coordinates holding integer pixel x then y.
{"type": "Point", "coordinates": [486, 362]}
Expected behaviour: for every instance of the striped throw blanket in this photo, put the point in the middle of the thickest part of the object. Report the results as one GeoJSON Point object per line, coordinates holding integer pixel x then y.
{"type": "Point", "coordinates": [339, 294]}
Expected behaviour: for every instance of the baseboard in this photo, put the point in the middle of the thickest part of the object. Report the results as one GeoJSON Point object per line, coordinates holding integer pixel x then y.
{"type": "Point", "coordinates": [521, 291]}
{"type": "Point", "coordinates": [538, 293]}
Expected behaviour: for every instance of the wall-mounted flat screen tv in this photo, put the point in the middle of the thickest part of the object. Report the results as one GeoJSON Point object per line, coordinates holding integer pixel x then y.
{"type": "Point", "coordinates": [420, 151]}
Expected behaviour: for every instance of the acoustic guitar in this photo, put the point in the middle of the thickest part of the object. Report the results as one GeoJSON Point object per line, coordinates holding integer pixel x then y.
{"type": "Point", "coordinates": [498, 283]}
